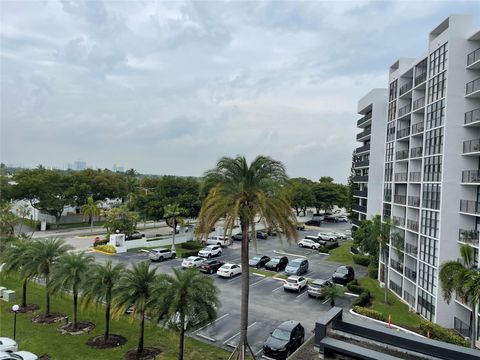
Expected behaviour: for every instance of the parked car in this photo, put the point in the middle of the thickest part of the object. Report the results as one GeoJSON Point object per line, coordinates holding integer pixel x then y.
{"type": "Point", "coordinates": [313, 222]}
{"type": "Point", "coordinates": [309, 244]}
{"type": "Point", "coordinates": [343, 218]}
{"type": "Point", "coordinates": [277, 263]}
{"type": "Point", "coordinates": [135, 236]}
{"type": "Point", "coordinates": [326, 236]}
{"type": "Point", "coordinates": [339, 235]}
{"type": "Point", "coordinates": [284, 340]}
{"type": "Point", "coordinates": [210, 266]}
{"type": "Point", "coordinates": [218, 240]}
{"type": "Point", "coordinates": [300, 226]}
{"type": "Point", "coordinates": [297, 266]}
{"type": "Point", "coordinates": [229, 270]}
{"type": "Point", "coordinates": [295, 283]}
{"type": "Point", "coordinates": [18, 355]}
{"type": "Point", "coordinates": [192, 262]}
{"type": "Point", "coordinates": [316, 239]}
{"type": "Point", "coordinates": [317, 288]}
{"type": "Point", "coordinates": [330, 218]}
{"type": "Point", "coordinates": [332, 234]}
{"type": "Point", "coordinates": [210, 250]}
{"type": "Point", "coordinates": [262, 235]}
{"type": "Point", "coordinates": [239, 237]}
{"type": "Point", "coordinates": [161, 254]}
{"type": "Point", "coordinates": [271, 232]}
{"type": "Point", "coordinates": [259, 261]}
{"type": "Point", "coordinates": [343, 275]}
{"type": "Point", "coordinates": [8, 345]}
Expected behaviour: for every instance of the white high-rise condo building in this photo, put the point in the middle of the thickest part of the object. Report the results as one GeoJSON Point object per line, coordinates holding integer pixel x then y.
{"type": "Point", "coordinates": [431, 167]}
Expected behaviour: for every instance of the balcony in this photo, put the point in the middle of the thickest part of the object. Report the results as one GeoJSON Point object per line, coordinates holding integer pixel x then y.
{"type": "Point", "coordinates": [387, 197]}
{"type": "Point", "coordinates": [356, 222]}
{"type": "Point", "coordinates": [471, 147]}
{"type": "Point", "coordinates": [400, 199]}
{"type": "Point", "coordinates": [411, 249]}
{"type": "Point", "coordinates": [409, 298]}
{"type": "Point", "coordinates": [401, 177]}
{"type": "Point", "coordinates": [405, 88]}
{"type": "Point", "coordinates": [398, 221]}
{"type": "Point", "coordinates": [418, 104]}
{"type": "Point", "coordinates": [397, 289]}
{"type": "Point", "coordinates": [412, 225]}
{"type": "Point", "coordinates": [471, 177]}
{"type": "Point", "coordinates": [404, 110]}
{"type": "Point", "coordinates": [421, 78]}
{"type": "Point", "coordinates": [362, 149]}
{"type": "Point", "coordinates": [473, 59]}
{"type": "Point", "coordinates": [364, 134]}
{"type": "Point", "coordinates": [411, 274]}
{"type": "Point", "coordinates": [360, 193]}
{"type": "Point", "coordinates": [417, 128]}
{"type": "Point", "coordinates": [472, 89]}
{"type": "Point", "coordinates": [472, 118]}
{"type": "Point", "coordinates": [462, 328]}
{"type": "Point", "coordinates": [470, 207]}
{"type": "Point", "coordinates": [364, 120]}
{"type": "Point", "coordinates": [359, 208]}
{"type": "Point", "coordinates": [360, 178]}
{"type": "Point", "coordinates": [361, 163]}
{"type": "Point", "coordinates": [401, 155]}
{"type": "Point", "coordinates": [416, 152]}
{"type": "Point", "coordinates": [396, 265]}
{"type": "Point", "coordinates": [403, 132]}
{"type": "Point", "coordinates": [471, 237]}
{"type": "Point", "coordinates": [415, 176]}
{"type": "Point", "coordinates": [414, 201]}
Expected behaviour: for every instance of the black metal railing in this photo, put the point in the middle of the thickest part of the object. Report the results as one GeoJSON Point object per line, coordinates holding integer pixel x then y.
{"type": "Point", "coordinates": [471, 146]}
{"type": "Point", "coordinates": [364, 133]}
{"type": "Point", "coordinates": [416, 152]}
{"type": "Point", "coordinates": [469, 236]}
{"type": "Point", "coordinates": [403, 132]}
{"type": "Point", "coordinates": [361, 163]}
{"type": "Point", "coordinates": [472, 116]}
{"type": "Point", "coordinates": [387, 197]}
{"type": "Point", "coordinates": [411, 274]}
{"type": "Point", "coordinates": [470, 206]}
{"type": "Point", "coordinates": [411, 249]}
{"type": "Point", "coordinates": [473, 57]}
{"type": "Point", "coordinates": [412, 225]}
{"type": "Point", "coordinates": [405, 87]}
{"type": "Point", "coordinates": [363, 148]}
{"type": "Point", "coordinates": [364, 119]}
{"type": "Point", "coordinates": [414, 201]}
{"type": "Point", "coordinates": [404, 110]}
{"type": "Point", "coordinates": [400, 199]}
{"type": "Point", "coordinates": [359, 208]}
{"type": "Point", "coordinates": [356, 222]}
{"type": "Point", "coordinates": [396, 265]}
{"type": "Point", "coordinates": [400, 221]}
{"type": "Point", "coordinates": [471, 176]}
{"type": "Point", "coordinates": [472, 86]}
{"type": "Point", "coordinates": [360, 178]}
{"type": "Point", "coordinates": [395, 288]}
{"type": "Point", "coordinates": [415, 176]}
{"type": "Point", "coordinates": [417, 104]}
{"type": "Point", "coordinates": [361, 193]}
{"type": "Point", "coordinates": [418, 128]}
{"type": "Point", "coordinates": [421, 78]}
{"type": "Point", "coordinates": [401, 177]}
{"type": "Point", "coordinates": [409, 298]}
{"type": "Point", "coordinates": [461, 327]}
{"type": "Point", "coordinates": [401, 155]}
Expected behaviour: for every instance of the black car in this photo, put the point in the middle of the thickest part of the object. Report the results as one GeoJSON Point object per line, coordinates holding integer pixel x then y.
{"type": "Point", "coordinates": [330, 218]}
{"type": "Point", "coordinates": [210, 266]}
{"type": "Point", "coordinates": [258, 261]}
{"type": "Point", "coordinates": [277, 263]}
{"type": "Point", "coordinates": [343, 275]}
{"type": "Point", "coordinates": [284, 340]}
{"type": "Point", "coordinates": [239, 237]}
{"type": "Point", "coordinates": [313, 223]}
{"type": "Point", "coordinates": [262, 235]}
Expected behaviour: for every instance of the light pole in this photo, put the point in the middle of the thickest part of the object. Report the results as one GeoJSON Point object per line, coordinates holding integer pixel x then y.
{"type": "Point", "coordinates": [15, 309]}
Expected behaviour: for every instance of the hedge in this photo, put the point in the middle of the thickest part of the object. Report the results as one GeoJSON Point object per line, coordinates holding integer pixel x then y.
{"type": "Point", "coordinates": [190, 253]}
{"type": "Point", "coordinates": [328, 247]}
{"type": "Point", "coordinates": [355, 288]}
{"type": "Point", "coordinates": [438, 332]}
{"type": "Point", "coordinates": [191, 245]}
{"type": "Point", "coordinates": [106, 248]}
{"type": "Point", "coordinates": [361, 259]}
{"type": "Point", "coordinates": [363, 299]}
{"type": "Point", "coordinates": [372, 270]}
{"type": "Point", "coordinates": [374, 314]}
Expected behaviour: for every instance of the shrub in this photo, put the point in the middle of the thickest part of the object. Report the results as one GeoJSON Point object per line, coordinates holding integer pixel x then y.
{"type": "Point", "coordinates": [98, 242]}
{"type": "Point", "coordinates": [361, 259]}
{"type": "Point", "coordinates": [190, 253]}
{"type": "Point", "coordinates": [329, 246]}
{"type": "Point", "coordinates": [363, 299]}
{"type": "Point", "coordinates": [438, 332]}
{"type": "Point", "coordinates": [191, 245]}
{"type": "Point", "coordinates": [106, 248]}
{"type": "Point", "coordinates": [354, 250]}
{"type": "Point", "coordinates": [374, 314]}
{"type": "Point", "coordinates": [354, 288]}
{"type": "Point", "coordinates": [372, 270]}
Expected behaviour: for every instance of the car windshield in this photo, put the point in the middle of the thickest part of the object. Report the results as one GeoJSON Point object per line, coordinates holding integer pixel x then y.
{"type": "Point", "coordinates": [318, 282]}
{"type": "Point", "coordinates": [275, 260]}
{"type": "Point", "coordinates": [342, 270]}
{"type": "Point", "coordinates": [256, 258]}
{"type": "Point", "coordinates": [15, 356]}
{"type": "Point", "coordinates": [293, 281]}
{"type": "Point", "coordinates": [226, 267]}
{"type": "Point", "coordinates": [296, 262]}
{"type": "Point", "coordinates": [281, 334]}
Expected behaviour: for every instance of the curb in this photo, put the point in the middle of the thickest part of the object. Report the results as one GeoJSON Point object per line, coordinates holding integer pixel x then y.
{"type": "Point", "coordinates": [103, 252]}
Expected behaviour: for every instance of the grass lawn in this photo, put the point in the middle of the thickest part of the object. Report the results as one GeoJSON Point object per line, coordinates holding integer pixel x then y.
{"type": "Point", "coordinates": [268, 273]}
{"type": "Point", "coordinates": [400, 314]}
{"type": "Point", "coordinates": [342, 254]}
{"type": "Point", "coordinates": [44, 339]}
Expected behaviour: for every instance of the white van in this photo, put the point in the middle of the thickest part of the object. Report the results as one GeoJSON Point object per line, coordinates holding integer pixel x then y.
{"type": "Point", "coordinates": [218, 240]}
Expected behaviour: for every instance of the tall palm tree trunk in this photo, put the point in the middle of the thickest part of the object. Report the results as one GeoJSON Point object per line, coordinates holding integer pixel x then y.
{"type": "Point", "coordinates": [75, 306]}
{"type": "Point", "coordinates": [24, 293]}
{"type": "Point", "coordinates": [142, 330]}
{"type": "Point", "coordinates": [182, 337]}
{"type": "Point", "coordinates": [385, 274]}
{"type": "Point", "coordinates": [474, 324]}
{"type": "Point", "coordinates": [243, 342]}
{"type": "Point", "coordinates": [47, 295]}
{"type": "Point", "coordinates": [107, 316]}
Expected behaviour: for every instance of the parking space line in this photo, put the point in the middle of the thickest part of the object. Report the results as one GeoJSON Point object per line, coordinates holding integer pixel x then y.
{"type": "Point", "coordinates": [325, 301]}
{"type": "Point", "coordinates": [234, 336]}
{"type": "Point", "coordinates": [278, 288]}
{"type": "Point", "coordinates": [207, 337]}
{"type": "Point", "coordinates": [290, 254]}
{"type": "Point", "coordinates": [305, 292]}
{"type": "Point", "coordinates": [258, 282]}
{"type": "Point", "coordinates": [210, 323]}
{"type": "Point", "coordinates": [235, 278]}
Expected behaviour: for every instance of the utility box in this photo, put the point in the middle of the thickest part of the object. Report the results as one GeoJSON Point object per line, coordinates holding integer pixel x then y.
{"type": "Point", "coordinates": [9, 295]}
{"type": "Point", "coordinates": [2, 289]}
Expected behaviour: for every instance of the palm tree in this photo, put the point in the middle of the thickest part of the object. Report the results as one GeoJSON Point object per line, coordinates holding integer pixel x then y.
{"type": "Point", "coordinates": [101, 287]}
{"type": "Point", "coordinates": [136, 289]}
{"type": "Point", "coordinates": [90, 210]}
{"type": "Point", "coordinates": [331, 293]}
{"type": "Point", "coordinates": [245, 192]}
{"type": "Point", "coordinates": [463, 279]}
{"type": "Point", "coordinates": [44, 253]}
{"type": "Point", "coordinates": [173, 215]}
{"type": "Point", "coordinates": [187, 299]}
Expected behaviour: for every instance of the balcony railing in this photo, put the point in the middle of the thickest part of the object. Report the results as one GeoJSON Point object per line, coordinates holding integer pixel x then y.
{"type": "Point", "coordinates": [461, 327]}
{"type": "Point", "coordinates": [364, 119]}
{"type": "Point", "coordinates": [412, 225]}
{"type": "Point", "coordinates": [415, 176]}
{"type": "Point", "coordinates": [472, 86]}
{"type": "Point", "coordinates": [414, 201]}
{"type": "Point", "coordinates": [416, 152]}
{"type": "Point", "coordinates": [360, 178]}
{"type": "Point", "coordinates": [470, 206]}
{"type": "Point", "coordinates": [417, 128]}
{"type": "Point", "coordinates": [396, 288]}
{"type": "Point", "coordinates": [472, 116]}
{"type": "Point", "coordinates": [411, 274]}
{"type": "Point", "coordinates": [406, 87]}
{"type": "Point", "coordinates": [401, 177]}
{"type": "Point", "coordinates": [356, 222]}
{"type": "Point", "coordinates": [420, 78]}
{"type": "Point", "coordinates": [470, 146]}
{"type": "Point", "coordinates": [359, 208]}
{"type": "Point", "coordinates": [400, 221]}
{"type": "Point", "coordinates": [409, 298]}
{"type": "Point", "coordinates": [471, 176]}
{"type": "Point", "coordinates": [473, 57]}
{"type": "Point", "coordinates": [404, 110]}
{"type": "Point", "coordinates": [400, 199]}
{"type": "Point", "coordinates": [471, 237]}
{"type": "Point", "coordinates": [411, 249]}
{"type": "Point", "coordinates": [363, 148]}
{"type": "Point", "coordinates": [417, 104]}
{"type": "Point", "coordinates": [401, 155]}
{"type": "Point", "coordinates": [403, 132]}
{"type": "Point", "coordinates": [361, 193]}
{"type": "Point", "coordinates": [362, 163]}
{"type": "Point", "coordinates": [364, 133]}
{"type": "Point", "coordinates": [387, 197]}
{"type": "Point", "coordinates": [396, 265]}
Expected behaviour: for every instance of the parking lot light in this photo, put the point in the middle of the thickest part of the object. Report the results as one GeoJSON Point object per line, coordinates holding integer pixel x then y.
{"type": "Point", "coordinates": [15, 309]}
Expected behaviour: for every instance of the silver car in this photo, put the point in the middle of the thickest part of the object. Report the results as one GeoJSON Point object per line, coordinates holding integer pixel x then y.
{"type": "Point", "coordinates": [161, 254]}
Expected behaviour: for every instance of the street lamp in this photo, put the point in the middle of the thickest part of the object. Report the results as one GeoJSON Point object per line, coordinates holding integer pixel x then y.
{"type": "Point", "coordinates": [15, 309]}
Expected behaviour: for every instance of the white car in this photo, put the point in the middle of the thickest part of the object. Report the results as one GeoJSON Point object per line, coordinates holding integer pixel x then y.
{"type": "Point", "coordinates": [295, 283]}
{"type": "Point", "coordinates": [210, 250]}
{"type": "Point", "coordinates": [326, 236]}
{"type": "Point", "coordinates": [343, 218]}
{"type": "Point", "coordinates": [229, 270]}
{"type": "Point", "coordinates": [219, 240]}
{"type": "Point", "coordinates": [339, 235]}
{"type": "Point", "coordinates": [192, 262]}
{"type": "Point", "coordinates": [7, 344]}
{"type": "Point", "coordinates": [309, 244]}
{"type": "Point", "coordinates": [19, 355]}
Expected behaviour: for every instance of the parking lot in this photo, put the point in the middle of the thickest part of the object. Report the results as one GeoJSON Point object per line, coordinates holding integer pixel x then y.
{"type": "Point", "coordinates": [270, 305]}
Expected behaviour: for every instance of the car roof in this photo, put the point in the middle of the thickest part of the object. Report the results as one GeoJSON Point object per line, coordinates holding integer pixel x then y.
{"type": "Point", "coordinates": [297, 260]}
{"type": "Point", "coordinates": [288, 325]}
{"type": "Point", "coordinates": [294, 277]}
{"type": "Point", "coordinates": [229, 264]}
{"type": "Point", "coordinates": [319, 281]}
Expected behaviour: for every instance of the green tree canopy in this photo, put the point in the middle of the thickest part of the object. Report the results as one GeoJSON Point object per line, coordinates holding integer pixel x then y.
{"type": "Point", "coordinates": [121, 219]}
{"type": "Point", "coordinates": [302, 195]}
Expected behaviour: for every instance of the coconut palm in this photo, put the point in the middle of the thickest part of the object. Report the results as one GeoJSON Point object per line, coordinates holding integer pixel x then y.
{"type": "Point", "coordinates": [90, 210]}
{"type": "Point", "coordinates": [101, 287]}
{"type": "Point", "coordinates": [246, 192]}
{"type": "Point", "coordinates": [136, 289]}
{"type": "Point", "coordinates": [187, 299]}
{"type": "Point", "coordinates": [70, 272]}
{"type": "Point", "coordinates": [173, 215]}
{"type": "Point", "coordinates": [44, 253]}
{"type": "Point", "coordinates": [463, 279]}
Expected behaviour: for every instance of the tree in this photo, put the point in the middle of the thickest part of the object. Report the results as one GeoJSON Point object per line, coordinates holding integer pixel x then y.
{"type": "Point", "coordinates": [6, 189]}
{"type": "Point", "coordinates": [245, 192]}
{"type": "Point", "coordinates": [44, 254]}
{"type": "Point", "coordinates": [121, 219]}
{"type": "Point", "coordinates": [101, 287]}
{"type": "Point", "coordinates": [173, 215]}
{"type": "Point", "coordinates": [331, 293]}
{"type": "Point", "coordinates": [70, 272]}
{"type": "Point", "coordinates": [186, 300]}
{"type": "Point", "coordinates": [302, 196]}
{"type": "Point", "coordinates": [326, 195]}
{"type": "Point", "coordinates": [326, 180]}
{"type": "Point", "coordinates": [464, 280]}
{"type": "Point", "coordinates": [8, 220]}
{"type": "Point", "coordinates": [365, 239]}
{"type": "Point", "coordinates": [90, 210]}
{"type": "Point", "coordinates": [351, 187]}
{"type": "Point", "coordinates": [136, 289]}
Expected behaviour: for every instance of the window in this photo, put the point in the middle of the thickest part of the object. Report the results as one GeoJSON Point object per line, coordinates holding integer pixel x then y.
{"type": "Point", "coordinates": [426, 305]}
{"type": "Point", "coordinates": [387, 192]}
{"type": "Point", "coordinates": [429, 250]}
{"type": "Point", "coordinates": [432, 168]}
{"type": "Point", "coordinates": [434, 141]}
{"type": "Point", "coordinates": [438, 60]}
{"type": "Point", "coordinates": [435, 114]}
{"type": "Point", "coordinates": [389, 152]}
{"type": "Point", "coordinates": [437, 87]}
{"type": "Point", "coordinates": [431, 196]}
{"type": "Point", "coordinates": [430, 223]}
{"type": "Point", "coordinates": [393, 90]}
{"type": "Point", "coordinates": [427, 277]}
{"type": "Point", "coordinates": [391, 131]}
{"type": "Point", "coordinates": [388, 171]}
{"type": "Point", "coordinates": [387, 210]}
{"type": "Point", "coordinates": [421, 72]}
{"type": "Point", "coordinates": [392, 110]}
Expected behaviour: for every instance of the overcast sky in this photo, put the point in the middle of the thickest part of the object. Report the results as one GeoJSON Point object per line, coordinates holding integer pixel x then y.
{"type": "Point", "coordinates": [169, 87]}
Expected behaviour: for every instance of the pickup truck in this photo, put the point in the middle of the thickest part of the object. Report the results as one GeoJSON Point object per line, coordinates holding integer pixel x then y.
{"type": "Point", "coordinates": [218, 240]}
